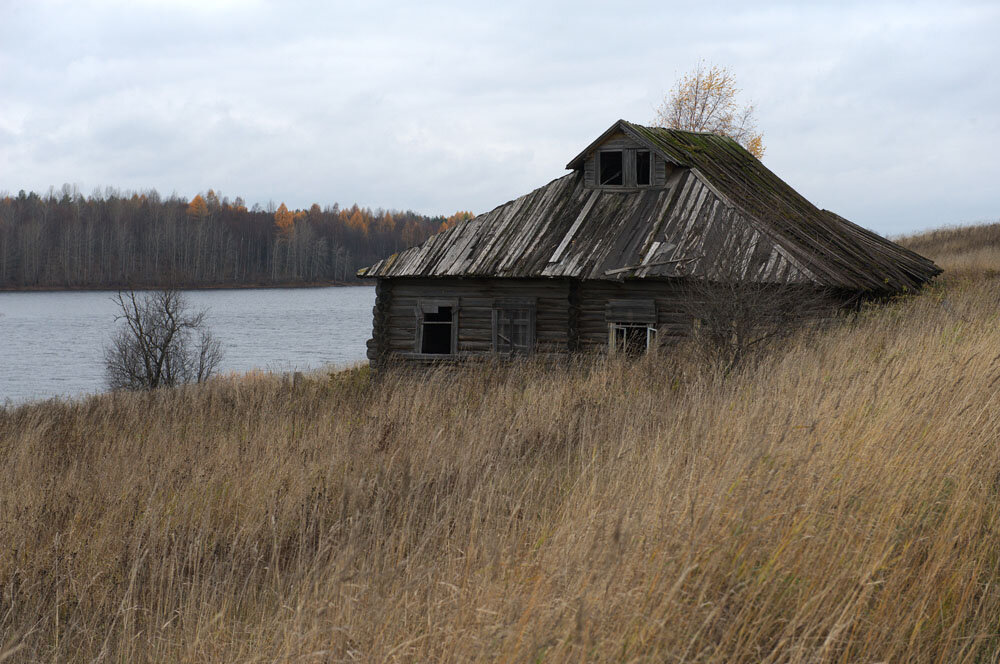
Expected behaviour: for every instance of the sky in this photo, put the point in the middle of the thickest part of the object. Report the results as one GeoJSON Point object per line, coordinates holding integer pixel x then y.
{"type": "Point", "coordinates": [886, 113]}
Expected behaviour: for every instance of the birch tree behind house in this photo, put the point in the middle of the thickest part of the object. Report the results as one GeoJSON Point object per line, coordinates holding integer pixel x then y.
{"type": "Point", "coordinates": [706, 100]}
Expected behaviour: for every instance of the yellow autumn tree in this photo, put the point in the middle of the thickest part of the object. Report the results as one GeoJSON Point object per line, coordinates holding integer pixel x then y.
{"type": "Point", "coordinates": [461, 215]}
{"type": "Point", "coordinates": [197, 208]}
{"type": "Point", "coordinates": [358, 221]}
{"type": "Point", "coordinates": [283, 219]}
{"type": "Point", "coordinates": [706, 100]}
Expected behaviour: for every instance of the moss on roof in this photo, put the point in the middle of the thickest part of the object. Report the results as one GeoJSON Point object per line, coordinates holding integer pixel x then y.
{"type": "Point", "coordinates": [568, 228]}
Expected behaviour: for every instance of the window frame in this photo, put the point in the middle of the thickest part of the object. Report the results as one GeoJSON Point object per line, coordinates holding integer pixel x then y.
{"type": "Point", "coordinates": [501, 305]}
{"type": "Point", "coordinates": [433, 305]}
{"type": "Point", "coordinates": [613, 327]}
{"type": "Point", "coordinates": [600, 153]}
{"type": "Point", "coordinates": [631, 313]}
{"type": "Point", "coordinates": [649, 168]}
{"type": "Point", "coordinates": [630, 168]}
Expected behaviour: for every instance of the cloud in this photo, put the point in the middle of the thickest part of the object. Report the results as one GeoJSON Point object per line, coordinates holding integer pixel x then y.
{"type": "Point", "coordinates": [882, 112]}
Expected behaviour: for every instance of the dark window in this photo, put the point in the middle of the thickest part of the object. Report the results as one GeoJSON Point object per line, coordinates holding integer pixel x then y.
{"type": "Point", "coordinates": [642, 167]}
{"type": "Point", "coordinates": [436, 332]}
{"type": "Point", "coordinates": [514, 329]}
{"type": "Point", "coordinates": [611, 167]}
{"type": "Point", "coordinates": [632, 339]}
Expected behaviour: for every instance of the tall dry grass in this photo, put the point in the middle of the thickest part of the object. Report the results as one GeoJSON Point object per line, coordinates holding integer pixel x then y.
{"type": "Point", "coordinates": [962, 251]}
{"type": "Point", "coordinates": [837, 501]}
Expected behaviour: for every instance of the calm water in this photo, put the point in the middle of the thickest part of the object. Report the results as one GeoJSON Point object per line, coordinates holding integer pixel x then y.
{"type": "Point", "coordinates": [51, 344]}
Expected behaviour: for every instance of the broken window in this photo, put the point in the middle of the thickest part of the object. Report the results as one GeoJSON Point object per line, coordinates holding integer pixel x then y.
{"type": "Point", "coordinates": [611, 171]}
{"type": "Point", "coordinates": [436, 327]}
{"type": "Point", "coordinates": [632, 339]}
{"type": "Point", "coordinates": [642, 169]}
{"type": "Point", "coordinates": [514, 326]}
{"type": "Point", "coordinates": [631, 325]}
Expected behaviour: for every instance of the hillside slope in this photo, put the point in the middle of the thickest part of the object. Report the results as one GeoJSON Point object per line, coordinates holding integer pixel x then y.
{"type": "Point", "coordinates": [838, 501]}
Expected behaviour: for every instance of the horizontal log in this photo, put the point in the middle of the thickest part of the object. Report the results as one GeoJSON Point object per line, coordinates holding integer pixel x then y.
{"type": "Point", "coordinates": [472, 337]}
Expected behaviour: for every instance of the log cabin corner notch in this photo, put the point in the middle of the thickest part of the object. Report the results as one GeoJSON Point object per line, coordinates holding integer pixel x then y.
{"type": "Point", "coordinates": [597, 260]}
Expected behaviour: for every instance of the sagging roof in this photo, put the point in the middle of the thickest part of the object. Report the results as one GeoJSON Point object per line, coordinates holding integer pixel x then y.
{"type": "Point", "coordinates": [720, 208]}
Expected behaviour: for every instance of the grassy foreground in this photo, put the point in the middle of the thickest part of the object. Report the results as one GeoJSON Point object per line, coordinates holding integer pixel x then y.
{"type": "Point", "coordinates": [838, 501]}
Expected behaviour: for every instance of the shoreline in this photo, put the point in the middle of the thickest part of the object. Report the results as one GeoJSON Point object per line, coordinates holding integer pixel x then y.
{"type": "Point", "coordinates": [146, 287]}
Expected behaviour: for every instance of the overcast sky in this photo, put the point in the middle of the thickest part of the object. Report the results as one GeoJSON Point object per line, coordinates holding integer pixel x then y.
{"type": "Point", "coordinates": [888, 114]}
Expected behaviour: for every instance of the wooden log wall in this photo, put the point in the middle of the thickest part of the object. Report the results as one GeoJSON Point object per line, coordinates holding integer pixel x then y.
{"type": "Point", "coordinates": [475, 311]}
{"type": "Point", "coordinates": [378, 345]}
{"type": "Point", "coordinates": [595, 295]}
{"type": "Point", "coordinates": [571, 315]}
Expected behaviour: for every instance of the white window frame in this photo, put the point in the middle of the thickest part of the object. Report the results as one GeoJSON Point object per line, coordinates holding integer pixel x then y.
{"type": "Point", "coordinates": [631, 313]}
{"type": "Point", "coordinates": [613, 345]}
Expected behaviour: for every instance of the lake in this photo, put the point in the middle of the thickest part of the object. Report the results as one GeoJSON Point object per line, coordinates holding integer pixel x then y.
{"type": "Point", "coordinates": [52, 343]}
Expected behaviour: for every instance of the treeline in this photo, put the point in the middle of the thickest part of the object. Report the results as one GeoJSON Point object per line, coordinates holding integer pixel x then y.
{"type": "Point", "coordinates": [113, 239]}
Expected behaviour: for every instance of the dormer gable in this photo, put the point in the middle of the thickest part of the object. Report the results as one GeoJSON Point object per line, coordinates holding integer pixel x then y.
{"type": "Point", "coordinates": [621, 160]}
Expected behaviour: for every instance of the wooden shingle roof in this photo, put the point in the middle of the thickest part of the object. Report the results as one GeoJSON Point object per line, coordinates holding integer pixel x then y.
{"type": "Point", "coordinates": [720, 207]}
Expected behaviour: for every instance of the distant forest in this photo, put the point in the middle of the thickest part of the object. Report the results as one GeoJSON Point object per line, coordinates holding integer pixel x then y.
{"type": "Point", "coordinates": [113, 240]}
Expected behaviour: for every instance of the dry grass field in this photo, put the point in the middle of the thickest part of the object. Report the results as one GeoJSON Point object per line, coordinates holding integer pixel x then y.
{"type": "Point", "coordinates": [965, 251]}
{"type": "Point", "coordinates": [836, 501]}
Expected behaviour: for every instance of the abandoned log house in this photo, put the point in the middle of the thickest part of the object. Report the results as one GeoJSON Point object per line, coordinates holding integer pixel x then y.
{"type": "Point", "coordinates": [598, 259]}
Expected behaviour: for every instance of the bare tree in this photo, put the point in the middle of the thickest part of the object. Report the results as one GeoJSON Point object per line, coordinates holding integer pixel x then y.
{"type": "Point", "coordinates": [705, 100]}
{"type": "Point", "coordinates": [159, 342]}
{"type": "Point", "coordinates": [735, 314]}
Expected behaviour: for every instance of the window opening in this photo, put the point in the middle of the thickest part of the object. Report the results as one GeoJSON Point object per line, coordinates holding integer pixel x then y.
{"type": "Point", "coordinates": [436, 333]}
{"type": "Point", "coordinates": [514, 330]}
{"type": "Point", "coordinates": [642, 167]}
{"type": "Point", "coordinates": [632, 339]}
{"type": "Point", "coordinates": [611, 167]}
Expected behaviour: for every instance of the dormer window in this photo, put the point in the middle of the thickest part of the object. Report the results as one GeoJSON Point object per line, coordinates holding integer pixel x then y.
{"type": "Point", "coordinates": [625, 159]}
{"type": "Point", "coordinates": [611, 164]}
{"type": "Point", "coordinates": [642, 169]}
{"type": "Point", "coordinates": [625, 168]}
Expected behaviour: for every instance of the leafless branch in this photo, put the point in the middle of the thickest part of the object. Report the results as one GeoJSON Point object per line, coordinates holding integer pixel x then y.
{"type": "Point", "coordinates": [735, 314]}
{"type": "Point", "coordinates": [159, 342]}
